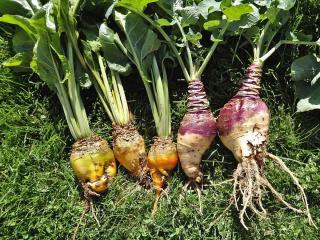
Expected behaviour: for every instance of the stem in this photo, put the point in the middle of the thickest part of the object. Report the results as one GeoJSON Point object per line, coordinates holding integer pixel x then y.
{"type": "Point", "coordinates": [272, 50]}
{"type": "Point", "coordinates": [68, 116]}
{"type": "Point", "coordinates": [159, 94]}
{"type": "Point", "coordinates": [166, 37]}
{"type": "Point", "coordinates": [145, 81]}
{"type": "Point", "coordinates": [108, 93]}
{"type": "Point", "coordinates": [261, 39]}
{"type": "Point", "coordinates": [65, 102]}
{"type": "Point", "coordinates": [74, 95]}
{"type": "Point", "coordinates": [123, 99]}
{"type": "Point", "coordinates": [116, 96]}
{"type": "Point", "coordinates": [76, 7]}
{"type": "Point", "coordinates": [190, 60]}
{"type": "Point", "coordinates": [167, 102]}
{"type": "Point", "coordinates": [211, 51]}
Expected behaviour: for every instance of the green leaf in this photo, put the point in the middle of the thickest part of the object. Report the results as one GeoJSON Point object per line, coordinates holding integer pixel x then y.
{"type": "Point", "coordinates": [215, 21]}
{"type": "Point", "coordinates": [305, 72]}
{"type": "Point", "coordinates": [280, 4]}
{"type": "Point", "coordinates": [167, 4]}
{"type": "Point", "coordinates": [279, 20]}
{"type": "Point", "coordinates": [246, 20]}
{"type": "Point", "coordinates": [208, 6]}
{"type": "Point", "coordinates": [66, 22]}
{"type": "Point", "coordinates": [266, 3]}
{"type": "Point", "coordinates": [194, 38]}
{"type": "Point", "coordinates": [20, 21]}
{"type": "Point", "coordinates": [20, 61]}
{"type": "Point", "coordinates": [162, 22]}
{"type": "Point", "coordinates": [136, 4]}
{"type": "Point", "coordinates": [90, 30]}
{"type": "Point", "coordinates": [21, 42]}
{"type": "Point", "coordinates": [188, 15]}
{"type": "Point", "coordinates": [309, 95]}
{"type": "Point", "coordinates": [141, 39]}
{"type": "Point", "coordinates": [48, 11]}
{"type": "Point", "coordinates": [225, 4]}
{"type": "Point", "coordinates": [44, 63]}
{"type": "Point", "coordinates": [286, 4]}
{"type": "Point", "coordinates": [87, 53]}
{"type": "Point", "coordinates": [82, 77]}
{"type": "Point", "coordinates": [305, 68]}
{"type": "Point", "coordinates": [235, 12]}
{"type": "Point", "coordinates": [115, 58]}
{"type": "Point", "coordinates": [298, 36]}
{"type": "Point", "coordinates": [25, 8]}
{"type": "Point", "coordinates": [211, 24]}
{"type": "Point", "coordinates": [252, 34]}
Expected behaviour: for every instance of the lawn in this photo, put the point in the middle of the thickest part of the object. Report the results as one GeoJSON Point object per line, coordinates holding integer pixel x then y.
{"type": "Point", "coordinates": [41, 199]}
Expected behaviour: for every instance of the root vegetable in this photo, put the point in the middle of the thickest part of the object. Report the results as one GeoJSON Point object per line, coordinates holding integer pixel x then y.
{"type": "Point", "coordinates": [94, 164]}
{"type": "Point", "coordinates": [129, 149]}
{"type": "Point", "coordinates": [243, 126]}
{"type": "Point", "coordinates": [162, 159]}
{"type": "Point", "coordinates": [197, 131]}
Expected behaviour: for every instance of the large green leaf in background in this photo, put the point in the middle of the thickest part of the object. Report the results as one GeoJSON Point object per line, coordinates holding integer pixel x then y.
{"type": "Point", "coordinates": [305, 72]}
{"type": "Point", "coordinates": [44, 63]}
{"type": "Point", "coordinates": [22, 22]}
{"type": "Point", "coordinates": [116, 59]}
{"type": "Point", "coordinates": [142, 41]}
{"type": "Point", "coordinates": [25, 8]}
{"type": "Point", "coordinates": [136, 4]}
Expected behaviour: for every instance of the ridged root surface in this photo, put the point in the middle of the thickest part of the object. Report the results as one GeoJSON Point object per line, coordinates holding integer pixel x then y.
{"type": "Point", "coordinates": [162, 159]}
{"type": "Point", "coordinates": [129, 149]}
{"type": "Point", "coordinates": [94, 164]}
{"type": "Point", "coordinates": [197, 131]}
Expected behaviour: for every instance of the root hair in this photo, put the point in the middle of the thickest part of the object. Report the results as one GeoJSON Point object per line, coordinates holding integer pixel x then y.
{"type": "Point", "coordinates": [250, 181]}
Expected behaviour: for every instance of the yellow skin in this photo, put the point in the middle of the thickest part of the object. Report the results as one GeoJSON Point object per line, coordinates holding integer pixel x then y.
{"type": "Point", "coordinates": [160, 164]}
{"type": "Point", "coordinates": [130, 150]}
{"type": "Point", "coordinates": [94, 164]}
{"type": "Point", "coordinates": [191, 147]}
{"type": "Point", "coordinates": [162, 158]}
{"type": "Point", "coordinates": [130, 154]}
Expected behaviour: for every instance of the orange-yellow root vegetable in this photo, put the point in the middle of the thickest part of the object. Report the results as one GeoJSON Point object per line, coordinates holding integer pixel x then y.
{"type": "Point", "coordinates": [162, 159]}
{"type": "Point", "coordinates": [129, 149]}
{"type": "Point", "coordinates": [94, 164]}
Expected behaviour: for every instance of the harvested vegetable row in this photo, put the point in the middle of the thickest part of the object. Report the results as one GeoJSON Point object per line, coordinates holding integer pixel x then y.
{"type": "Point", "coordinates": [198, 127]}
{"type": "Point", "coordinates": [243, 123]}
{"type": "Point", "coordinates": [128, 145]}
{"type": "Point", "coordinates": [142, 45]}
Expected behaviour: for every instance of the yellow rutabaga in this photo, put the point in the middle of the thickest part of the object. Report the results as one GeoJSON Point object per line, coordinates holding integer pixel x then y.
{"type": "Point", "coordinates": [93, 162]}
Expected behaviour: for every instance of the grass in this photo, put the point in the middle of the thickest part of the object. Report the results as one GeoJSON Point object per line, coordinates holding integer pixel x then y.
{"type": "Point", "coordinates": [40, 198]}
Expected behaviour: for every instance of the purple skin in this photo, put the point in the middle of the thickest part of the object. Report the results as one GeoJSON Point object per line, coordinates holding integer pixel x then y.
{"type": "Point", "coordinates": [243, 127]}
{"type": "Point", "coordinates": [196, 133]}
{"type": "Point", "coordinates": [243, 122]}
{"type": "Point", "coordinates": [244, 104]}
{"type": "Point", "coordinates": [199, 118]}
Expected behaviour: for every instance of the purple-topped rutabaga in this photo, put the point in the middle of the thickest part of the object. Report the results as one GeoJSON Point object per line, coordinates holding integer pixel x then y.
{"type": "Point", "coordinates": [197, 131]}
{"type": "Point", "coordinates": [243, 127]}
{"type": "Point", "coordinates": [199, 118]}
